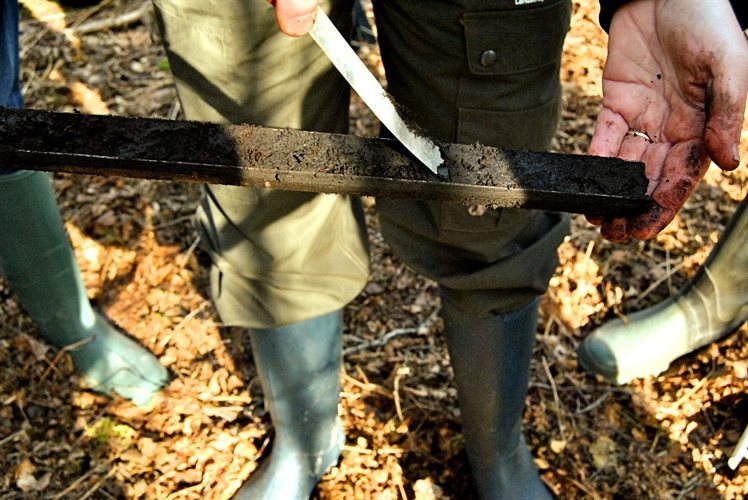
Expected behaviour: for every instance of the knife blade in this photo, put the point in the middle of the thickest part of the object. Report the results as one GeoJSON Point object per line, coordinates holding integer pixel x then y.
{"type": "Point", "coordinates": [366, 85]}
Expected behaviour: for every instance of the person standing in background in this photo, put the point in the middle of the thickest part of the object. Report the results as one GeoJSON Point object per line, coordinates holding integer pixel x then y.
{"type": "Point", "coordinates": [39, 266]}
{"type": "Point", "coordinates": [285, 264]}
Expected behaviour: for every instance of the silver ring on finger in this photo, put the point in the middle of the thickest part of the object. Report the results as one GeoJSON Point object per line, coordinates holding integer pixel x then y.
{"type": "Point", "coordinates": [639, 134]}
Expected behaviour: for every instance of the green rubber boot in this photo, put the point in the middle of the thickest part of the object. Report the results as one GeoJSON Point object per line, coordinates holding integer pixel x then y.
{"type": "Point", "coordinates": [299, 370]}
{"type": "Point", "coordinates": [40, 267]}
{"type": "Point", "coordinates": [712, 305]}
{"type": "Point", "coordinates": [491, 361]}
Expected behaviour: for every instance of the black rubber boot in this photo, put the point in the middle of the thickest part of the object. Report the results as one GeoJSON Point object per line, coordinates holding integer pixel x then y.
{"type": "Point", "coordinates": [712, 305]}
{"type": "Point", "coordinates": [491, 361]}
{"type": "Point", "coordinates": [40, 267]}
{"type": "Point", "coordinates": [299, 370]}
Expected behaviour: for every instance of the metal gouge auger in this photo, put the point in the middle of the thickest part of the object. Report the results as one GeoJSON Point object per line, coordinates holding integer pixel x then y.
{"type": "Point", "coordinates": [246, 155]}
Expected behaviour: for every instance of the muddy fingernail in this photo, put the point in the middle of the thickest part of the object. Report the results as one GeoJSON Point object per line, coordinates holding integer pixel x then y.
{"type": "Point", "coordinates": [303, 24]}
{"type": "Point", "coordinates": [736, 153]}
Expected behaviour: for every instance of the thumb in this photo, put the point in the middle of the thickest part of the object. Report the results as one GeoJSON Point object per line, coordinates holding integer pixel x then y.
{"type": "Point", "coordinates": [295, 17]}
{"type": "Point", "coordinates": [723, 126]}
{"type": "Point", "coordinates": [725, 108]}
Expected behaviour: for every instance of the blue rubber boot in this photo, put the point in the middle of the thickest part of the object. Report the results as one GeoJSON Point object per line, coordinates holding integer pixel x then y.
{"type": "Point", "coordinates": [299, 370]}
{"type": "Point", "coordinates": [40, 268]}
{"type": "Point", "coordinates": [491, 361]}
{"type": "Point", "coordinates": [712, 305]}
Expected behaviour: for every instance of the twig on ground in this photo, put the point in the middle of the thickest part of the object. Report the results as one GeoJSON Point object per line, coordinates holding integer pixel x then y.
{"type": "Point", "coordinates": [366, 345]}
{"type": "Point", "coordinates": [401, 372]}
{"type": "Point", "coordinates": [384, 339]}
{"type": "Point", "coordinates": [594, 404]}
{"type": "Point", "coordinates": [98, 484]}
{"type": "Point", "coordinates": [90, 12]}
{"type": "Point", "coordinates": [358, 449]}
{"type": "Point", "coordinates": [13, 436]}
{"type": "Point", "coordinates": [185, 257]}
{"type": "Point", "coordinates": [368, 386]}
{"type": "Point", "coordinates": [691, 485]}
{"type": "Point", "coordinates": [167, 338]}
{"type": "Point", "coordinates": [585, 488]}
{"type": "Point", "coordinates": [120, 21]}
{"type": "Point", "coordinates": [67, 348]}
{"type": "Point", "coordinates": [657, 283]}
{"type": "Point", "coordinates": [693, 390]}
{"type": "Point", "coordinates": [79, 481]}
{"type": "Point", "coordinates": [169, 223]}
{"type": "Point", "coordinates": [668, 273]}
{"type": "Point", "coordinates": [401, 488]}
{"type": "Point", "coordinates": [556, 399]}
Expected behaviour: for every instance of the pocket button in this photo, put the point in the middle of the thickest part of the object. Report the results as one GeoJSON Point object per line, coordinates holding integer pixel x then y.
{"type": "Point", "coordinates": [488, 58]}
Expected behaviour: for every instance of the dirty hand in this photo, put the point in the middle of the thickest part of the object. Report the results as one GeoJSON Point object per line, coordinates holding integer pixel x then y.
{"type": "Point", "coordinates": [674, 93]}
{"type": "Point", "coordinates": [295, 17]}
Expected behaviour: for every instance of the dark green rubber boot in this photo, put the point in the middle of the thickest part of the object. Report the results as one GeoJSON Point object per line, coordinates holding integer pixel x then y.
{"type": "Point", "coordinates": [712, 305]}
{"type": "Point", "coordinates": [299, 370]}
{"type": "Point", "coordinates": [491, 361]}
{"type": "Point", "coordinates": [40, 267]}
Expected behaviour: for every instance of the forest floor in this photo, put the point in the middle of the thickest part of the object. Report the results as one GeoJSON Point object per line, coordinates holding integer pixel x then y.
{"type": "Point", "coordinates": [665, 436]}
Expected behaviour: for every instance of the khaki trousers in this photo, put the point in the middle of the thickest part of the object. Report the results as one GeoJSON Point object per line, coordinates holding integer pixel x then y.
{"type": "Point", "coordinates": [467, 71]}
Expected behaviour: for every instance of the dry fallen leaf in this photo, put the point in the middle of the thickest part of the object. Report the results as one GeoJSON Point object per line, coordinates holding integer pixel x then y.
{"type": "Point", "coordinates": [603, 451]}
{"type": "Point", "coordinates": [25, 479]}
{"type": "Point", "coordinates": [47, 12]}
{"type": "Point", "coordinates": [558, 445]}
{"type": "Point", "coordinates": [425, 489]}
{"type": "Point", "coordinates": [741, 369]}
{"type": "Point", "coordinates": [88, 99]}
{"type": "Point", "coordinates": [38, 349]}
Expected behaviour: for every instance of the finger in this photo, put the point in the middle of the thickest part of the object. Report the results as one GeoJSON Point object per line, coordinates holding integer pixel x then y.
{"type": "Point", "coordinates": [725, 102]}
{"type": "Point", "coordinates": [633, 147]}
{"type": "Point", "coordinates": [654, 160]}
{"type": "Point", "coordinates": [295, 17]}
{"type": "Point", "coordinates": [647, 226]}
{"type": "Point", "coordinates": [615, 229]}
{"type": "Point", "coordinates": [725, 109]}
{"type": "Point", "coordinates": [682, 171]}
{"type": "Point", "coordinates": [595, 220]}
{"type": "Point", "coordinates": [618, 229]}
{"type": "Point", "coordinates": [610, 130]}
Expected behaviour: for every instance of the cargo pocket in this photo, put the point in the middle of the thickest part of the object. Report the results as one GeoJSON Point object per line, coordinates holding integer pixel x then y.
{"type": "Point", "coordinates": [530, 129]}
{"type": "Point", "coordinates": [510, 95]}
